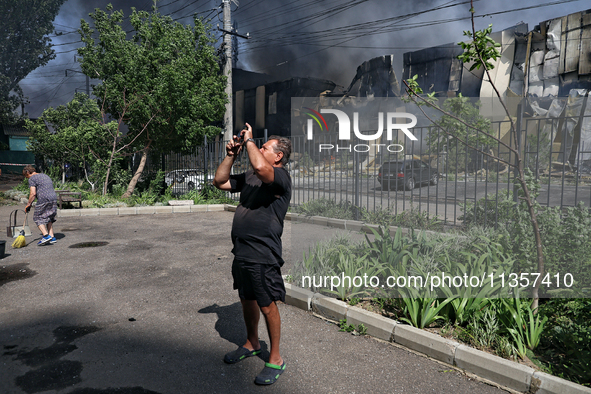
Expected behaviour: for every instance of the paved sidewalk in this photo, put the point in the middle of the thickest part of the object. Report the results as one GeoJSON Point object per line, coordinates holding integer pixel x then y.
{"type": "Point", "coordinates": [153, 312]}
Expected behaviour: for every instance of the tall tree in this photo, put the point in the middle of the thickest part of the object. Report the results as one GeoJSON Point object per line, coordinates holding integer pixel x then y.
{"type": "Point", "coordinates": [82, 134]}
{"type": "Point", "coordinates": [24, 46]}
{"type": "Point", "coordinates": [76, 133]}
{"type": "Point", "coordinates": [162, 80]}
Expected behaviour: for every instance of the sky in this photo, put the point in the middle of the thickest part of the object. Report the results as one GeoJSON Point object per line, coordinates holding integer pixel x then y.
{"type": "Point", "coordinates": [325, 39]}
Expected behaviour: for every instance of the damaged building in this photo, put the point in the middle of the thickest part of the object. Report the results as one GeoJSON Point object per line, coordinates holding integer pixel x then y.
{"type": "Point", "coordinates": [375, 78]}
{"type": "Point", "coordinates": [550, 60]}
{"type": "Point", "coordinates": [266, 104]}
{"type": "Point", "coordinates": [547, 69]}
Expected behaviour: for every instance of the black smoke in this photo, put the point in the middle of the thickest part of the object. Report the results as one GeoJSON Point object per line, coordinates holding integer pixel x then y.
{"type": "Point", "coordinates": [285, 49]}
{"type": "Point", "coordinates": [335, 58]}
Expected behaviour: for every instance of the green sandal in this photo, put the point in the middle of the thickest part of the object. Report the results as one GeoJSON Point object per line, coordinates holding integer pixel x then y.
{"type": "Point", "coordinates": [239, 354]}
{"type": "Point", "coordinates": [270, 374]}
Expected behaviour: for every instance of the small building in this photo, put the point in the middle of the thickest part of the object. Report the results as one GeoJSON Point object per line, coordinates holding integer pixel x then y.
{"type": "Point", "coordinates": [14, 154]}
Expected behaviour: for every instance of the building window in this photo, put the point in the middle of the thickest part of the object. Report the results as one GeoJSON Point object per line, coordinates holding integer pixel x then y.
{"type": "Point", "coordinates": [272, 104]}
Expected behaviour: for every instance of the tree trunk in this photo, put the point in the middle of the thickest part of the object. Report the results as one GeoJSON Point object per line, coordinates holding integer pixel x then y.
{"type": "Point", "coordinates": [136, 176]}
{"type": "Point", "coordinates": [113, 151]}
{"type": "Point", "coordinates": [88, 180]}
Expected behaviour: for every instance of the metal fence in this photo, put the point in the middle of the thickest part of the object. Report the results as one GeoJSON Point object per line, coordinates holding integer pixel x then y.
{"type": "Point", "coordinates": [557, 158]}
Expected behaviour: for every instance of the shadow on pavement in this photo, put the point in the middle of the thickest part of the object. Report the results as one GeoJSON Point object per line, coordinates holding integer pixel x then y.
{"type": "Point", "coordinates": [58, 353]}
{"type": "Point", "coordinates": [230, 325]}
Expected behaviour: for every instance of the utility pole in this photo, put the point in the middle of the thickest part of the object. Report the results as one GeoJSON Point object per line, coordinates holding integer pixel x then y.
{"type": "Point", "coordinates": [229, 35]}
{"type": "Point", "coordinates": [228, 121]}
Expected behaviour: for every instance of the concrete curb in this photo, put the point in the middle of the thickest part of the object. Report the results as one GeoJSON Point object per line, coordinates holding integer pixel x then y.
{"type": "Point", "coordinates": [377, 326]}
{"type": "Point", "coordinates": [329, 307]}
{"type": "Point", "coordinates": [506, 373]}
{"type": "Point", "coordinates": [148, 210]}
{"type": "Point", "coordinates": [298, 297]}
{"type": "Point", "coordinates": [542, 383]}
{"type": "Point", "coordinates": [496, 369]}
{"type": "Point", "coordinates": [425, 342]}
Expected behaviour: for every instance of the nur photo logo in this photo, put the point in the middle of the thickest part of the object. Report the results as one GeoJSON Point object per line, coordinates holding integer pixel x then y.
{"type": "Point", "coordinates": [387, 121]}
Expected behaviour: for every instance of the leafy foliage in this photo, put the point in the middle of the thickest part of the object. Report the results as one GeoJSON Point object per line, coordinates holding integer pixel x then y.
{"type": "Point", "coordinates": [78, 135]}
{"type": "Point", "coordinates": [24, 46]}
{"type": "Point", "coordinates": [519, 321]}
{"type": "Point", "coordinates": [566, 234]}
{"type": "Point", "coordinates": [23, 186]}
{"type": "Point", "coordinates": [414, 89]}
{"type": "Point", "coordinates": [471, 130]}
{"type": "Point", "coordinates": [540, 147]}
{"type": "Point", "coordinates": [566, 343]}
{"type": "Point", "coordinates": [422, 311]}
{"type": "Point", "coordinates": [410, 218]}
{"type": "Point", "coordinates": [163, 82]}
{"type": "Point", "coordinates": [327, 208]}
{"type": "Point", "coordinates": [346, 327]}
{"type": "Point", "coordinates": [396, 255]}
{"type": "Point", "coordinates": [481, 49]}
{"type": "Point", "coordinates": [208, 195]}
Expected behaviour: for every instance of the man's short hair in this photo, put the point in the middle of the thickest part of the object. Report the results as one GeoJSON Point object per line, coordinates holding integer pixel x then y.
{"type": "Point", "coordinates": [283, 144]}
{"type": "Point", "coordinates": [29, 169]}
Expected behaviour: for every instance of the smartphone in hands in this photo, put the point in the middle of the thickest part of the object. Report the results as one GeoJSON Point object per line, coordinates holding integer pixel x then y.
{"type": "Point", "coordinates": [239, 138]}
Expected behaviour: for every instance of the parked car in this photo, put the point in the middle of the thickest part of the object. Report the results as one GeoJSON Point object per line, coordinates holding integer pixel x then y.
{"type": "Point", "coordinates": [406, 173]}
{"type": "Point", "coordinates": [183, 181]}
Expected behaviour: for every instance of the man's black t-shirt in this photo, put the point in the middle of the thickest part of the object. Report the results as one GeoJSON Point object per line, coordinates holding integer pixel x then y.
{"type": "Point", "coordinates": [258, 221]}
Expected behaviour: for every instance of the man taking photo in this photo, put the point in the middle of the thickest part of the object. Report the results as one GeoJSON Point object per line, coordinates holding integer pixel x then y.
{"type": "Point", "coordinates": [265, 192]}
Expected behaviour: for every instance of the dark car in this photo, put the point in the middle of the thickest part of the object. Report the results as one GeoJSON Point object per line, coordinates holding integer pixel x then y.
{"type": "Point", "coordinates": [406, 173]}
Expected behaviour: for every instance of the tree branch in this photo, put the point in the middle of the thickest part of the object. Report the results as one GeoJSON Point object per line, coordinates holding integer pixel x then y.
{"type": "Point", "coordinates": [452, 135]}
{"type": "Point", "coordinates": [455, 118]}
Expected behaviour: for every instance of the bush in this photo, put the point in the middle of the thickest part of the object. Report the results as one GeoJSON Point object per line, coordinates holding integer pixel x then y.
{"type": "Point", "coordinates": [207, 195]}
{"type": "Point", "coordinates": [566, 235]}
{"type": "Point", "coordinates": [489, 211]}
{"type": "Point", "coordinates": [327, 208]}
{"type": "Point", "coordinates": [411, 218]}
{"type": "Point", "coordinates": [566, 343]}
{"type": "Point", "coordinates": [23, 186]}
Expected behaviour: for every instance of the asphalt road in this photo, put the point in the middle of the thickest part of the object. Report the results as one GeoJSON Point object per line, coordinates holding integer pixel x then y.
{"type": "Point", "coordinates": [451, 192]}
{"type": "Point", "coordinates": [153, 311]}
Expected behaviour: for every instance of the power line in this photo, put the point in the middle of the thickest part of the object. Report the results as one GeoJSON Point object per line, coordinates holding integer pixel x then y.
{"type": "Point", "coordinates": [352, 29]}
{"type": "Point", "coordinates": [247, 6]}
{"type": "Point", "coordinates": [396, 19]}
{"type": "Point", "coordinates": [129, 31]}
{"type": "Point", "coordinates": [366, 26]}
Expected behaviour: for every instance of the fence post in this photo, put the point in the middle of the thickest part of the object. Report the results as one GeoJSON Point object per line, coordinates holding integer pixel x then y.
{"type": "Point", "coordinates": [356, 180]}
{"type": "Point", "coordinates": [205, 161]}
{"type": "Point", "coordinates": [518, 148]}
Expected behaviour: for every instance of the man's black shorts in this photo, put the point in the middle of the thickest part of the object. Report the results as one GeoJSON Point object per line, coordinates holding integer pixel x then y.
{"type": "Point", "coordinates": [260, 282]}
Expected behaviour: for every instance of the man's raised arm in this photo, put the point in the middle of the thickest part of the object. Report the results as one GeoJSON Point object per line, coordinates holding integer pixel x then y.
{"type": "Point", "coordinates": [221, 179]}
